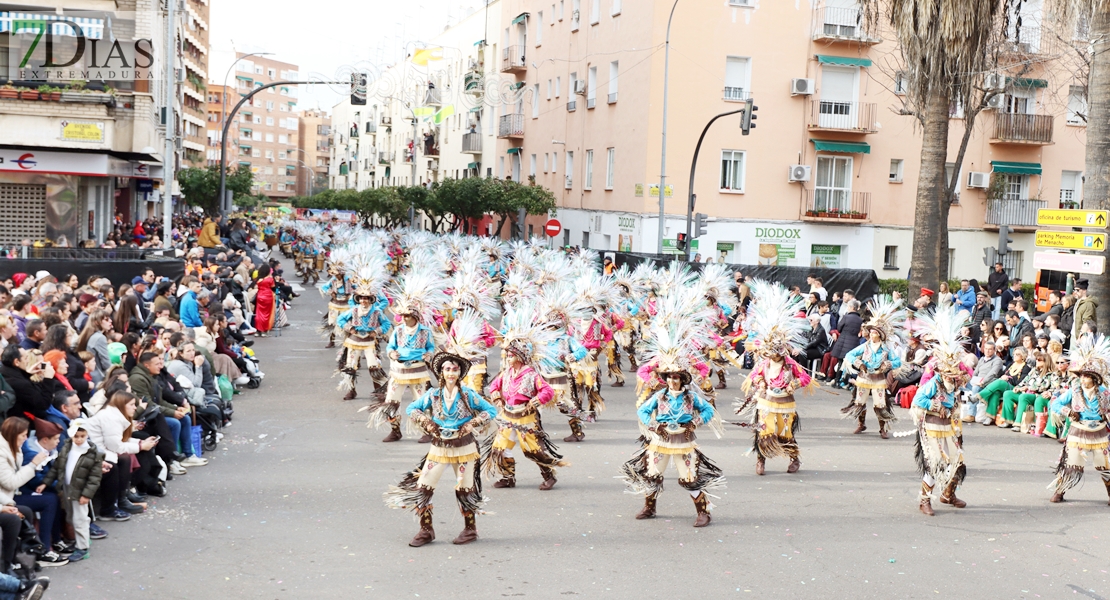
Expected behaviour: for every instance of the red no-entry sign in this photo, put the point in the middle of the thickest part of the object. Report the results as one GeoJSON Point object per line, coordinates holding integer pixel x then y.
{"type": "Point", "coordinates": [553, 227]}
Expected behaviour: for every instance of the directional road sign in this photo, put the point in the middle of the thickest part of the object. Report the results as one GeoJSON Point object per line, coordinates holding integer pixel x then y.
{"type": "Point", "coordinates": [1074, 263]}
{"type": "Point", "coordinates": [1071, 240]}
{"type": "Point", "coordinates": [1073, 218]}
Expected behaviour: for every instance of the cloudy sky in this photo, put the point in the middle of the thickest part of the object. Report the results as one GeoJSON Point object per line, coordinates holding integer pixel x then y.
{"type": "Point", "coordinates": [322, 36]}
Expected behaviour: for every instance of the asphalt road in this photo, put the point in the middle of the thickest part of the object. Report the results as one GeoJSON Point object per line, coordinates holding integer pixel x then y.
{"type": "Point", "coordinates": [290, 507]}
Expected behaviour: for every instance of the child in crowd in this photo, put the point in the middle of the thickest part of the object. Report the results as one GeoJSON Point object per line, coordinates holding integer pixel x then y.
{"type": "Point", "coordinates": [78, 470]}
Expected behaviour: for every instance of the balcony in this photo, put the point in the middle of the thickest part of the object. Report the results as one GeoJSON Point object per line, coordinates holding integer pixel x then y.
{"type": "Point", "coordinates": [512, 60]}
{"type": "Point", "coordinates": [384, 158]}
{"type": "Point", "coordinates": [736, 94]}
{"type": "Point", "coordinates": [472, 83]}
{"type": "Point", "coordinates": [511, 126]}
{"type": "Point", "coordinates": [1032, 130]}
{"type": "Point", "coordinates": [844, 24]}
{"type": "Point", "coordinates": [825, 205]}
{"type": "Point", "coordinates": [834, 115]}
{"type": "Point", "coordinates": [431, 98]}
{"type": "Point", "coordinates": [472, 143]}
{"type": "Point", "coordinates": [572, 106]}
{"type": "Point", "coordinates": [1029, 41]}
{"type": "Point", "coordinates": [1015, 212]}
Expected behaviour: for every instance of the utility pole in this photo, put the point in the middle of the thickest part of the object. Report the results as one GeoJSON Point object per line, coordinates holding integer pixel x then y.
{"type": "Point", "coordinates": [693, 167]}
{"type": "Point", "coordinates": [663, 154]}
{"type": "Point", "coordinates": [169, 158]}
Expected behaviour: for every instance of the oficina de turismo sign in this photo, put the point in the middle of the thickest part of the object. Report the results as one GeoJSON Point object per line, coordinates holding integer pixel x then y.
{"type": "Point", "coordinates": [76, 46]}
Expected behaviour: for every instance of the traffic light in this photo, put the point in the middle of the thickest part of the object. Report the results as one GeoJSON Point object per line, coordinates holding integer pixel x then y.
{"type": "Point", "coordinates": [1004, 240]}
{"type": "Point", "coordinates": [746, 124]}
{"type": "Point", "coordinates": [358, 89]}
{"type": "Point", "coordinates": [680, 242]}
{"type": "Point", "coordinates": [700, 224]}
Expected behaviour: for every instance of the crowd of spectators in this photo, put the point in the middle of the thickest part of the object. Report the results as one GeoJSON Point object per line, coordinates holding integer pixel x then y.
{"type": "Point", "coordinates": [113, 390]}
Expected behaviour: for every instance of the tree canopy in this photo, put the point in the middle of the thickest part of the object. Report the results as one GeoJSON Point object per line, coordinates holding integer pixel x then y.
{"type": "Point", "coordinates": [201, 186]}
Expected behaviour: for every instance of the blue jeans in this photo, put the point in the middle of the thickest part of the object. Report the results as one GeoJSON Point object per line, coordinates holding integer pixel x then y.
{"type": "Point", "coordinates": [182, 431]}
{"type": "Point", "coordinates": [996, 304]}
{"type": "Point", "coordinates": [9, 587]}
{"type": "Point", "coordinates": [46, 505]}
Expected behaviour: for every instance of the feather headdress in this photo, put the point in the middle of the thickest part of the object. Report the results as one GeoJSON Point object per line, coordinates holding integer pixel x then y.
{"type": "Point", "coordinates": [562, 304]}
{"type": "Point", "coordinates": [368, 273]}
{"type": "Point", "coordinates": [1091, 354]}
{"type": "Point", "coordinates": [645, 273]}
{"type": "Point", "coordinates": [716, 280]}
{"type": "Point", "coordinates": [462, 341]}
{"type": "Point", "coordinates": [889, 319]}
{"type": "Point", "coordinates": [518, 286]}
{"type": "Point", "coordinates": [419, 292]}
{"type": "Point", "coordinates": [627, 282]}
{"type": "Point", "coordinates": [942, 328]}
{"type": "Point", "coordinates": [676, 275]}
{"type": "Point", "coordinates": [471, 290]}
{"type": "Point", "coordinates": [773, 325]}
{"type": "Point", "coordinates": [529, 336]}
{"type": "Point", "coordinates": [596, 290]}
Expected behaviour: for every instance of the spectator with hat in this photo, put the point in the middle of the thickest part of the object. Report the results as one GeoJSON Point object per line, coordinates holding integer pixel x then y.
{"type": "Point", "coordinates": [1086, 307]}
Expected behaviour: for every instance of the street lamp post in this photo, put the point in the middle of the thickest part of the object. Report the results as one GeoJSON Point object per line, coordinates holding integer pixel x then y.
{"type": "Point", "coordinates": [693, 168]}
{"type": "Point", "coordinates": [663, 159]}
{"type": "Point", "coordinates": [223, 114]}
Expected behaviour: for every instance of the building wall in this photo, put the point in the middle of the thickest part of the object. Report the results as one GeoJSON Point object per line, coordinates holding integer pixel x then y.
{"type": "Point", "coordinates": [268, 127]}
{"type": "Point", "coordinates": [314, 149]}
{"type": "Point", "coordinates": [218, 97]}
{"type": "Point", "coordinates": [193, 40]}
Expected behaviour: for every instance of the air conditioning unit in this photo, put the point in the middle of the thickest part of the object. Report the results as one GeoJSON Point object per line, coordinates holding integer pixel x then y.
{"type": "Point", "coordinates": [570, 182]}
{"type": "Point", "coordinates": [801, 87]}
{"type": "Point", "coordinates": [978, 180]}
{"type": "Point", "coordinates": [997, 102]}
{"type": "Point", "coordinates": [995, 82]}
{"type": "Point", "coordinates": [580, 87]}
{"type": "Point", "coordinates": [433, 164]}
{"type": "Point", "coordinates": [799, 173]}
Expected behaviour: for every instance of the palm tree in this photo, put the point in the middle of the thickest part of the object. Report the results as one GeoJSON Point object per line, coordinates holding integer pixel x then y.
{"type": "Point", "coordinates": [942, 42]}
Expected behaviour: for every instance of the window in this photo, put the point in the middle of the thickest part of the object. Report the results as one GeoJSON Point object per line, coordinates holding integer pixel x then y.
{"type": "Point", "coordinates": [1077, 105]}
{"type": "Point", "coordinates": [553, 15]}
{"type": "Point", "coordinates": [283, 139]}
{"type": "Point", "coordinates": [548, 89]}
{"type": "Point", "coordinates": [739, 2]}
{"type": "Point", "coordinates": [558, 83]}
{"type": "Point", "coordinates": [890, 257]}
{"type": "Point", "coordinates": [269, 137]}
{"type": "Point", "coordinates": [589, 170]}
{"type": "Point", "coordinates": [270, 121]}
{"type": "Point", "coordinates": [732, 170]}
{"type": "Point", "coordinates": [1070, 189]}
{"type": "Point", "coordinates": [269, 154]}
{"type": "Point", "coordinates": [500, 167]}
{"type": "Point", "coordinates": [832, 189]}
{"type": "Point", "coordinates": [610, 160]}
{"type": "Point", "coordinates": [1015, 187]}
{"type": "Point", "coordinates": [595, 12]}
{"type": "Point", "coordinates": [271, 73]}
{"type": "Point", "coordinates": [575, 14]}
{"type": "Point", "coordinates": [615, 9]}
{"type": "Point", "coordinates": [570, 169]}
{"type": "Point", "coordinates": [532, 166]}
{"type": "Point", "coordinates": [896, 165]}
{"type": "Point", "coordinates": [539, 28]}
{"type": "Point", "coordinates": [256, 136]}
{"type": "Point", "coordinates": [614, 71]}
{"type": "Point", "coordinates": [736, 78]}
{"type": "Point", "coordinates": [1021, 101]}
{"type": "Point", "coordinates": [257, 119]}
{"type": "Point", "coordinates": [281, 154]}
{"type": "Point", "coordinates": [591, 87]}
{"type": "Point", "coordinates": [562, 5]}
{"type": "Point", "coordinates": [256, 153]}
{"type": "Point", "coordinates": [545, 169]}
{"type": "Point", "coordinates": [900, 83]}
{"type": "Point", "coordinates": [536, 101]}
{"type": "Point", "coordinates": [554, 162]}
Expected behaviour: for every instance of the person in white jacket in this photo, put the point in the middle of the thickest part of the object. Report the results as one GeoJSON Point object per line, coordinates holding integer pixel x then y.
{"type": "Point", "coordinates": [187, 368]}
{"type": "Point", "coordinates": [110, 429]}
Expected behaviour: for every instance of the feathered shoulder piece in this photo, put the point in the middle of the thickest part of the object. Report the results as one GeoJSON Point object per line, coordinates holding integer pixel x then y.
{"type": "Point", "coordinates": [889, 318]}
{"type": "Point", "coordinates": [531, 337]}
{"type": "Point", "coordinates": [941, 329]}
{"type": "Point", "coordinates": [464, 337]}
{"type": "Point", "coordinates": [1091, 354]}
{"type": "Point", "coordinates": [627, 282]}
{"type": "Point", "coordinates": [773, 325]}
{"type": "Point", "coordinates": [419, 292]}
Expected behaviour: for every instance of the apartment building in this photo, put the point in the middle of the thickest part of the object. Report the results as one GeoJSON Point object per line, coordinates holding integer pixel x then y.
{"type": "Point", "coordinates": [313, 152]}
{"type": "Point", "coordinates": [193, 59]}
{"type": "Point", "coordinates": [80, 151]}
{"type": "Point", "coordinates": [268, 126]}
{"type": "Point", "coordinates": [428, 118]}
{"type": "Point", "coordinates": [829, 175]}
{"type": "Point", "coordinates": [220, 102]}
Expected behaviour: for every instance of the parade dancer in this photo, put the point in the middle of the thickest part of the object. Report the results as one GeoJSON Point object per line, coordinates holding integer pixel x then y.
{"type": "Point", "coordinates": [596, 335]}
{"type": "Point", "coordinates": [471, 292]}
{"type": "Point", "coordinates": [338, 291]}
{"type": "Point", "coordinates": [776, 332]}
{"type": "Point", "coordinates": [416, 297]}
{"type": "Point", "coordinates": [872, 360]}
{"type": "Point", "coordinates": [670, 418]}
{"type": "Point", "coordinates": [939, 448]}
{"type": "Point", "coordinates": [363, 325]}
{"type": "Point", "coordinates": [715, 280]}
{"type": "Point", "coordinates": [1086, 405]}
{"type": "Point", "coordinates": [451, 414]}
{"type": "Point", "coordinates": [519, 392]}
{"type": "Point", "coordinates": [561, 306]}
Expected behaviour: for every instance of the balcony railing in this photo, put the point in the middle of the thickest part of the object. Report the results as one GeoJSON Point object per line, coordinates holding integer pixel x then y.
{"type": "Point", "coordinates": [824, 204]}
{"type": "Point", "coordinates": [431, 98]}
{"type": "Point", "coordinates": [384, 158]}
{"type": "Point", "coordinates": [472, 83]}
{"type": "Point", "coordinates": [472, 143]}
{"type": "Point", "coordinates": [736, 94]}
{"type": "Point", "coordinates": [1023, 129]}
{"type": "Point", "coordinates": [512, 59]}
{"type": "Point", "coordinates": [835, 23]}
{"type": "Point", "coordinates": [1029, 40]}
{"type": "Point", "coordinates": [835, 115]}
{"type": "Point", "coordinates": [1013, 211]}
{"type": "Point", "coordinates": [572, 106]}
{"type": "Point", "coordinates": [511, 126]}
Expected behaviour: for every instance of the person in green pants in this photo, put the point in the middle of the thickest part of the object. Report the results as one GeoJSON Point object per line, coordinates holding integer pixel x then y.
{"type": "Point", "coordinates": [992, 393]}
{"type": "Point", "coordinates": [1038, 382]}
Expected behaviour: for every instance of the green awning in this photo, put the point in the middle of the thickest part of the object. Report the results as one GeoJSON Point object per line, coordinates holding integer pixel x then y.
{"type": "Point", "coordinates": [517, 85]}
{"type": "Point", "coordinates": [472, 165]}
{"type": "Point", "coordinates": [479, 42]}
{"type": "Point", "coordinates": [476, 109]}
{"type": "Point", "coordinates": [1017, 168]}
{"type": "Point", "coordinates": [1023, 82]}
{"type": "Point", "coordinates": [825, 59]}
{"type": "Point", "coordinates": [244, 78]}
{"type": "Point", "coordinates": [848, 147]}
{"type": "Point", "coordinates": [520, 17]}
{"type": "Point", "coordinates": [513, 151]}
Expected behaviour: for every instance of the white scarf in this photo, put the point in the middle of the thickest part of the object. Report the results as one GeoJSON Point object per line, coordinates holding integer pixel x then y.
{"type": "Point", "coordinates": [75, 453]}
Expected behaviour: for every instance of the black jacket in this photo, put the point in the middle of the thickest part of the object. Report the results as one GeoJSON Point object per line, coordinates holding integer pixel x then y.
{"type": "Point", "coordinates": [980, 314]}
{"type": "Point", "coordinates": [849, 328]}
{"type": "Point", "coordinates": [817, 343]}
{"type": "Point", "coordinates": [30, 397]}
{"type": "Point", "coordinates": [996, 283]}
{"type": "Point", "coordinates": [1056, 309]}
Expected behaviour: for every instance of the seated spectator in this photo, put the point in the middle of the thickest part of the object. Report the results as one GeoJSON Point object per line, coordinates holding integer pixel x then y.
{"type": "Point", "coordinates": [31, 379]}
{"type": "Point", "coordinates": [13, 474]}
{"type": "Point", "coordinates": [987, 370]}
{"type": "Point", "coordinates": [111, 429]}
{"type": "Point", "coordinates": [1036, 385]}
{"type": "Point", "coordinates": [991, 394]}
{"type": "Point", "coordinates": [36, 333]}
{"type": "Point", "coordinates": [77, 480]}
{"type": "Point", "coordinates": [43, 439]}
